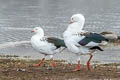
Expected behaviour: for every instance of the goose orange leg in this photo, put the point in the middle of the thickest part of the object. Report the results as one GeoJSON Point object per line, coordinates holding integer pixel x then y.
{"type": "Point", "coordinates": [88, 62]}
{"type": "Point", "coordinates": [53, 62]}
{"type": "Point", "coordinates": [36, 65]}
{"type": "Point", "coordinates": [78, 66]}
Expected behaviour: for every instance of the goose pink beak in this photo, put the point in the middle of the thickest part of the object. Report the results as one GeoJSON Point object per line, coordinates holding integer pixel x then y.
{"type": "Point", "coordinates": [32, 31]}
{"type": "Point", "coordinates": [71, 22]}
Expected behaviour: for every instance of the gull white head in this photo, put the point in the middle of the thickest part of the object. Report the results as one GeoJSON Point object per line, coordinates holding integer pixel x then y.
{"type": "Point", "coordinates": [38, 30]}
{"type": "Point", "coordinates": [77, 18]}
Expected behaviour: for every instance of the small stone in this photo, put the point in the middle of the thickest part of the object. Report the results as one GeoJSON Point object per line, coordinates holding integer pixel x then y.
{"type": "Point", "coordinates": [46, 72]}
{"type": "Point", "coordinates": [49, 68]}
{"type": "Point", "coordinates": [23, 70]}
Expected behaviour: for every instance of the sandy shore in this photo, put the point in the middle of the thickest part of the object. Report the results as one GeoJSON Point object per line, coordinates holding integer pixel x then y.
{"type": "Point", "coordinates": [21, 70]}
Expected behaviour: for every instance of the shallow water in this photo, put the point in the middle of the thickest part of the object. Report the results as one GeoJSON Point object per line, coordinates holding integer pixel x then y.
{"type": "Point", "coordinates": [18, 17]}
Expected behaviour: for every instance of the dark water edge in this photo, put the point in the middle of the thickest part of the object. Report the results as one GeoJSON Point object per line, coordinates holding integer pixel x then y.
{"type": "Point", "coordinates": [111, 53]}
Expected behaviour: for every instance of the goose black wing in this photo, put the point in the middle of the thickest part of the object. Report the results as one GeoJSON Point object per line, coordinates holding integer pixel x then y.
{"type": "Point", "coordinates": [56, 41]}
{"type": "Point", "coordinates": [94, 37]}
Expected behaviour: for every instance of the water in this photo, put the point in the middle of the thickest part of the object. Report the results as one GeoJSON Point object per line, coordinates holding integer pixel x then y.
{"type": "Point", "coordinates": [18, 17]}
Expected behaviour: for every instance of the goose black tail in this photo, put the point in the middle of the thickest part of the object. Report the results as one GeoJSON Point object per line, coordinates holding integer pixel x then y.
{"type": "Point", "coordinates": [97, 47]}
{"type": "Point", "coordinates": [107, 40]}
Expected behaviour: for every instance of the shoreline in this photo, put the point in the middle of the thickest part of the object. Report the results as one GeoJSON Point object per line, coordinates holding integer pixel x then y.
{"type": "Point", "coordinates": [20, 69]}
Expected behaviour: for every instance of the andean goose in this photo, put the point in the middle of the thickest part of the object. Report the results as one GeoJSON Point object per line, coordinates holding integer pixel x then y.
{"type": "Point", "coordinates": [45, 45]}
{"type": "Point", "coordinates": [80, 42]}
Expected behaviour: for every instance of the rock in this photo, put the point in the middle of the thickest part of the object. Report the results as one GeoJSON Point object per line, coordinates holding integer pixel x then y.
{"type": "Point", "coordinates": [21, 70]}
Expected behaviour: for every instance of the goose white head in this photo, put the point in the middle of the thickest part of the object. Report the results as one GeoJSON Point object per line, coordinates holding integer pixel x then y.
{"type": "Point", "coordinates": [38, 30]}
{"type": "Point", "coordinates": [76, 25]}
{"type": "Point", "coordinates": [77, 18]}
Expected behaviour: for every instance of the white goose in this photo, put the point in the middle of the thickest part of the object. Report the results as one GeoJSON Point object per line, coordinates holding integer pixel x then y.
{"type": "Point", "coordinates": [45, 45]}
{"type": "Point", "coordinates": [81, 42]}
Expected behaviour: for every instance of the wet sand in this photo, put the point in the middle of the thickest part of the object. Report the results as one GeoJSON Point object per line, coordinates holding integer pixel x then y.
{"type": "Point", "coordinates": [21, 70]}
